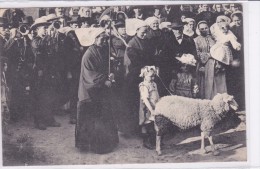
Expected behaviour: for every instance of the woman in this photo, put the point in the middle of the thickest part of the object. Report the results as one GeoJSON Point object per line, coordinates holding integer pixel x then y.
{"type": "Point", "coordinates": [235, 73]}
{"type": "Point", "coordinates": [95, 128]}
{"type": "Point", "coordinates": [211, 82]}
{"type": "Point", "coordinates": [154, 38]}
{"type": "Point", "coordinates": [188, 28]}
{"type": "Point", "coordinates": [136, 57]}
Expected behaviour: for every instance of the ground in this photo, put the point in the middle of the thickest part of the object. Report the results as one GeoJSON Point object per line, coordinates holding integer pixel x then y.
{"type": "Point", "coordinates": [55, 146]}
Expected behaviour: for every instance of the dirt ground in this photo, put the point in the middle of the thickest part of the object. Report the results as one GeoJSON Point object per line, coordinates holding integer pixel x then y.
{"type": "Point", "coordinates": [55, 146]}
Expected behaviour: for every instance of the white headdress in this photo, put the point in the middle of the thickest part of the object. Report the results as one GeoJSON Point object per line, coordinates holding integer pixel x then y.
{"type": "Point", "coordinates": [132, 24]}
{"type": "Point", "coordinates": [149, 69]}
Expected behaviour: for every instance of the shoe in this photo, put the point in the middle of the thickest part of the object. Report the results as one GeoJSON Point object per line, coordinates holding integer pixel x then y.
{"type": "Point", "coordinates": [54, 124]}
{"type": "Point", "coordinates": [73, 121]}
{"type": "Point", "coordinates": [41, 126]}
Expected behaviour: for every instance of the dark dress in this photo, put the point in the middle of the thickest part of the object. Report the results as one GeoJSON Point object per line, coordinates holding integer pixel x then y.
{"type": "Point", "coordinates": [236, 75]}
{"type": "Point", "coordinates": [95, 127]}
{"type": "Point", "coordinates": [137, 53]}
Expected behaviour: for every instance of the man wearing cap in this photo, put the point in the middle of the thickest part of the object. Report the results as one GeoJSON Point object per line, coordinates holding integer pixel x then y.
{"type": "Point", "coordinates": [95, 127]}
{"type": "Point", "coordinates": [46, 82]}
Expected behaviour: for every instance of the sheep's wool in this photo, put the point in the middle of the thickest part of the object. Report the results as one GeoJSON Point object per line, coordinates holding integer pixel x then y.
{"type": "Point", "coordinates": [186, 113]}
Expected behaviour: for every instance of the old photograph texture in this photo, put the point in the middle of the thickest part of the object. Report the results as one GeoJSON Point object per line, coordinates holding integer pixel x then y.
{"type": "Point", "coordinates": [123, 84]}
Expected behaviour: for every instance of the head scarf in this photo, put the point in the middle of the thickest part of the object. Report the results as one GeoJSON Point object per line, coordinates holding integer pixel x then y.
{"type": "Point", "coordinates": [151, 20]}
{"type": "Point", "coordinates": [87, 36]}
{"type": "Point", "coordinates": [197, 28]}
{"type": "Point", "coordinates": [133, 24]}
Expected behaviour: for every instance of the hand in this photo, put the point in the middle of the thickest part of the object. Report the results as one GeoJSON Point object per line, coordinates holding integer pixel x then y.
{"type": "Point", "coordinates": [202, 69]}
{"type": "Point", "coordinates": [111, 77]}
{"type": "Point", "coordinates": [108, 83]}
{"type": "Point", "coordinates": [238, 48]}
{"type": "Point", "coordinates": [196, 89]}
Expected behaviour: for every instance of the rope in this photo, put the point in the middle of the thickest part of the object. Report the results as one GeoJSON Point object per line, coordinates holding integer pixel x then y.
{"type": "Point", "coordinates": [165, 86]}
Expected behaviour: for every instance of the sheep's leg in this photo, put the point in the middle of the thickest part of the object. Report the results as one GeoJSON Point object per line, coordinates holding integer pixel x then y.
{"type": "Point", "coordinates": [158, 140]}
{"type": "Point", "coordinates": [158, 145]}
{"type": "Point", "coordinates": [213, 149]}
{"type": "Point", "coordinates": [202, 149]}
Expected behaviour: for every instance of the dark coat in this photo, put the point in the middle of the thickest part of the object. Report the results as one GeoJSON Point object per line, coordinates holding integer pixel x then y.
{"type": "Point", "coordinates": [187, 46]}
{"type": "Point", "coordinates": [174, 15]}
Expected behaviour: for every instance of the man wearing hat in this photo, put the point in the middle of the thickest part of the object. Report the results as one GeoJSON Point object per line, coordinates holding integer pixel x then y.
{"type": "Point", "coordinates": [182, 44]}
{"type": "Point", "coordinates": [46, 82]}
{"type": "Point", "coordinates": [20, 56]}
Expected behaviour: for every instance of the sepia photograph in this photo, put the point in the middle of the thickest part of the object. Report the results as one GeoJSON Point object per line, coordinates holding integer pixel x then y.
{"type": "Point", "coordinates": [128, 84]}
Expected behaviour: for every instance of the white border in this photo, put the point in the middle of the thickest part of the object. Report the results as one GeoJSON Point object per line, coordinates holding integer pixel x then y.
{"type": "Point", "coordinates": [252, 68]}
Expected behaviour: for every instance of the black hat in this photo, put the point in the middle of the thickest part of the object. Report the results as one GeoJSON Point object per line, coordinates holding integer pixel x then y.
{"type": "Point", "coordinates": [28, 20]}
{"type": "Point", "coordinates": [3, 22]}
{"type": "Point", "coordinates": [177, 24]}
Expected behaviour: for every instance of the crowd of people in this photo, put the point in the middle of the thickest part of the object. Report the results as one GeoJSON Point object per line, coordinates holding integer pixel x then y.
{"type": "Point", "coordinates": [108, 66]}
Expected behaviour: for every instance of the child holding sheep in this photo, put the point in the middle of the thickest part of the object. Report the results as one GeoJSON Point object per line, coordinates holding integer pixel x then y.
{"type": "Point", "coordinates": [148, 98]}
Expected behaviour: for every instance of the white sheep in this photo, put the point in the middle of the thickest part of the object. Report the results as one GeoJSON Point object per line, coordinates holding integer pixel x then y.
{"type": "Point", "coordinates": [186, 113]}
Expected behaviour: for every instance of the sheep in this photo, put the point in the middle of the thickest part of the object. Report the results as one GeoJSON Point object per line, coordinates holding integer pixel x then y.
{"type": "Point", "coordinates": [185, 113]}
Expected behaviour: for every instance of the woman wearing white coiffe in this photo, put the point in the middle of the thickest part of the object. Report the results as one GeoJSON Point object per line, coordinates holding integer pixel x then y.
{"type": "Point", "coordinates": [136, 57]}
{"type": "Point", "coordinates": [225, 39]}
{"type": "Point", "coordinates": [188, 28]}
{"type": "Point", "coordinates": [95, 127]}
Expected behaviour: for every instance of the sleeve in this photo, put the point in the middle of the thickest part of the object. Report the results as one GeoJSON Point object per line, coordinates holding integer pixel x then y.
{"type": "Point", "coordinates": [233, 40]}
{"type": "Point", "coordinates": [144, 92]}
{"type": "Point", "coordinates": [92, 76]}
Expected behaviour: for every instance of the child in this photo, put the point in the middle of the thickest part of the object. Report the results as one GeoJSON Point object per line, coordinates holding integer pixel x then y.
{"type": "Point", "coordinates": [148, 98]}
{"type": "Point", "coordinates": [184, 83]}
{"type": "Point", "coordinates": [221, 51]}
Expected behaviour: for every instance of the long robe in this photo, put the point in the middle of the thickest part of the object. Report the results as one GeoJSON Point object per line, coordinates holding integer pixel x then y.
{"type": "Point", "coordinates": [210, 82]}
{"type": "Point", "coordinates": [95, 128]}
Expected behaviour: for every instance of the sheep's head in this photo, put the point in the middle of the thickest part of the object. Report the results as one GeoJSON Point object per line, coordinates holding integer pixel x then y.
{"type": "Point", "coordinates": [222, 103]}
